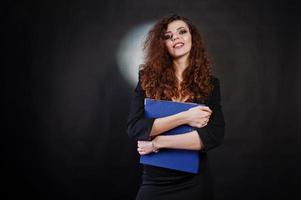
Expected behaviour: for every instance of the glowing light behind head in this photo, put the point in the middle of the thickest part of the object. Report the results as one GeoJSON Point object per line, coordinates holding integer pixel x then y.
{"type": "Point", "coordinates": [130, 52]}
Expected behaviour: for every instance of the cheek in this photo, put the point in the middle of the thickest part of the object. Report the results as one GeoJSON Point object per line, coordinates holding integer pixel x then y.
{"type": "Point", "coordinates": [168, 45]}
{"type": "Point", "coordinates": [189, 42]}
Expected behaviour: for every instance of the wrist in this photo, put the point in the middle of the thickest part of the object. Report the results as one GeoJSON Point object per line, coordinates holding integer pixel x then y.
{"type": "Point", "coordinates": [155, 148]}
{"type": "Point", "coordinates": [155, 144]}
{"type": "Point", "coordinates": [183, 117]}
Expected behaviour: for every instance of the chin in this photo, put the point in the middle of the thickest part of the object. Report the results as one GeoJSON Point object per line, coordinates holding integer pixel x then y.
{"type": "Point", "coordinates": [179, 54]}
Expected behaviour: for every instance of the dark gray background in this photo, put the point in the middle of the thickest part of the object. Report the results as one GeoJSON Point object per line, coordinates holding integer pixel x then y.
{"type": "Point", "coordinates": [66, 103]}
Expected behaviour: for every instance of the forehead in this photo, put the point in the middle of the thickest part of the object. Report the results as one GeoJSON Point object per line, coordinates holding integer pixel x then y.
{"type": "Point", "coordinates": [173, 26]}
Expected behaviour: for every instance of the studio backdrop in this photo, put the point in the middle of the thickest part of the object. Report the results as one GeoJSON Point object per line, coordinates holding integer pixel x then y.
{"type": "Point", "coordinates": [70, 69]}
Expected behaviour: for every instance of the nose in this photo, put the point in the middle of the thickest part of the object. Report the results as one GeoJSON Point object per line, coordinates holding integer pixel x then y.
{"type": "Point", "coordinates": [174, 37]}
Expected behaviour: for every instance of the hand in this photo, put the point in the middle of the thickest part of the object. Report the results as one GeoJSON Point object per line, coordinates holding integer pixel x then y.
{"type": "Point", "coordinates": [198, 116]}
{"type": "Point", "coordinates": [146, 147]}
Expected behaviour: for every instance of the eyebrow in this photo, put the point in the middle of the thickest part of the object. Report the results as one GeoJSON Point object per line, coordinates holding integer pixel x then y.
{"type": "Point", "coordinates": [177, 29]}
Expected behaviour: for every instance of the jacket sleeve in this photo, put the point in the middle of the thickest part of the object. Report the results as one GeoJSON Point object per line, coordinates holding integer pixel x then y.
{"type": "Point", "coordinates": [138, 127]}
{"type": "Point", "coordinates": [212, 135]}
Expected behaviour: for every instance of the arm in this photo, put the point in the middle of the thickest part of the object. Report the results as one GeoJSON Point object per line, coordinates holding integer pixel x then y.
{"type": "Point", "coordinates": [166, 123]}
{"type": "Point", "coordinates": [212, 135]}
{"type": "Point", "coordinates": [138, 127]}
{"type": "Point", "coordinates": [141, 128]}
{"type": "Point", "coordinates": [203, 138]}
{"type": "Point", "coordinates": [194, 117]}
{"type": "Point", "coordinates": [189, 141]}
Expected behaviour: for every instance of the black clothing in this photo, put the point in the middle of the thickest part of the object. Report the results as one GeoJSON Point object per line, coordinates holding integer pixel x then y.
{"type": "Point", "coordinates": [160, 183]}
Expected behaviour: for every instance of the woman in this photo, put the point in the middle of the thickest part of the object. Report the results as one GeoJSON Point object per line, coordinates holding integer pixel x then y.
{"type": "Point", "coordinates": [176, 69]}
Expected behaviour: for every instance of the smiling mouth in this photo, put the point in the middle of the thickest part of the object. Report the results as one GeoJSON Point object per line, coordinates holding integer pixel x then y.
{"type": "Point", "coordinates": [178, 45]}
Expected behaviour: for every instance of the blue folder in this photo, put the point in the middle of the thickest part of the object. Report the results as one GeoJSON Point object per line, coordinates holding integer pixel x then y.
{"type": "Point", "coordinates": [176, 159]}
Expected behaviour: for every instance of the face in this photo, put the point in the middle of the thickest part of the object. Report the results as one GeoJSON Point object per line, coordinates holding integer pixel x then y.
{"type": "Point", "coordinates": [178, 39]}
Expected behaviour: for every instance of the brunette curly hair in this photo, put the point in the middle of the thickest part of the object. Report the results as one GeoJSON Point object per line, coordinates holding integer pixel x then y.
{"type": "Point", "coordinates": [157, 75]}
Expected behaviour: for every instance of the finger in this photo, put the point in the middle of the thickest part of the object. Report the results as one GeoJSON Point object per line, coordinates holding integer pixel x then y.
{"type": "Point", "coordinates": [208, 114]}
{"type": "Point", "coordinates": [140, 149]}
{"type": "Point", "coordinates": [206, 108]}
{"type": "Point", "coordinates": [203, 119]}
{"type": "Point", "coordinates": [141, 145]}
{"type": "Point", "coordinates": [199, 124]}
{"type": "Point", "coordinates": [140, 141]}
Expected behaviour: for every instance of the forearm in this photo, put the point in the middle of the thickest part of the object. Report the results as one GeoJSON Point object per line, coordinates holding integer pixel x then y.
{"type": "Point", "coordinates": [188, 141]}
{"type": "Point", "coordinates": [166, 123]}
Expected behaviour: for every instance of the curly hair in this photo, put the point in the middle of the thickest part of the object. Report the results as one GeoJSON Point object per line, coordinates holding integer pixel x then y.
{"type": "Point", "coordinates": [157, 75]}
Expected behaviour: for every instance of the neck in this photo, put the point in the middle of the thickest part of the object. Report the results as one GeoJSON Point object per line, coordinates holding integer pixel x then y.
{"type": "Point", "coordinates": [180, 64]}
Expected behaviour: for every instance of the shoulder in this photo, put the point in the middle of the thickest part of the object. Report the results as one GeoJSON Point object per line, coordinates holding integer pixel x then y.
{"type": "Point", "coordinates": [215, 93]}
{"type": "Point", "coordinates": [139, 90]}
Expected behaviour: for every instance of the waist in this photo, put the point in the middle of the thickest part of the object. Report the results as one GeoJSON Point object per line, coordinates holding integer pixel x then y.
{"type": "Point", "coordinates": [159, 175]}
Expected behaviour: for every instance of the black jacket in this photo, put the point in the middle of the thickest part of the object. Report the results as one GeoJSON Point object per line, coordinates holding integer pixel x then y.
{"type": "Point", "coordinates": [212, 135]}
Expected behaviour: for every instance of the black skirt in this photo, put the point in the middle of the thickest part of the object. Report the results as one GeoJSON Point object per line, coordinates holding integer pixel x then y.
{"type": "Point", "coordinates": [164, 184]}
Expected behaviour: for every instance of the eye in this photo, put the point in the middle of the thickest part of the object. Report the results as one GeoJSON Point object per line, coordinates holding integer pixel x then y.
{"type": "Point", "coordinates": [183, 31]}
{"type": "Point", "coordinates": [167, 36]}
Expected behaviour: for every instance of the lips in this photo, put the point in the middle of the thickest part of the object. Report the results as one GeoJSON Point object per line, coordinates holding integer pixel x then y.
{"type": "Point", "coordinates": [178, 45]}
